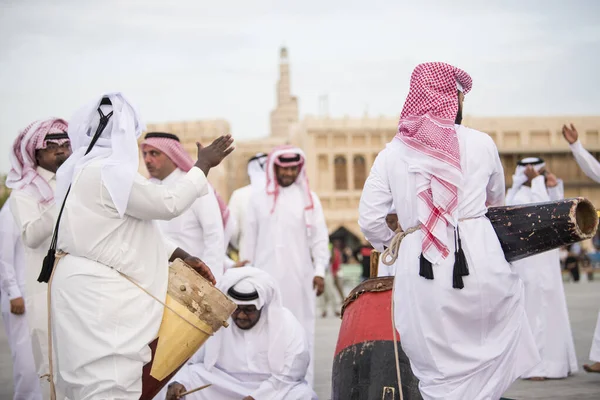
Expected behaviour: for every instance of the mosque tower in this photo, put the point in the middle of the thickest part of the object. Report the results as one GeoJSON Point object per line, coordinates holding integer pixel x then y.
{"type": "Point", "coordinates": [286, 112]}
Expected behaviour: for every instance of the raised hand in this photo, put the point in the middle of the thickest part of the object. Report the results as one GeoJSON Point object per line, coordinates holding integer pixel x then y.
{"type": "Point", "coordinates": [212, 155]}
{"type": "Point", "coordinates": [531, 173]}
{"type": "Point", "coordinates": [570, 133]}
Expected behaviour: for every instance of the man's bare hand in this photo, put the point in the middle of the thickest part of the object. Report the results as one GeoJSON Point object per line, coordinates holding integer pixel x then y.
{"type": "Point", "coordinates": [175, 389]}
{"type": "Point", "coordinates": [570, 133]}
{"type": "Point", "coordinates": [212, 155]}
{"type": "Point", "coordinates": [241, 263]}
{"type": "Point", "coordinates": [201, 268]}
{"type": "Point", "coordinates": [17, 306]}
{"type": "Point", "coordinates": [551, 179]}
{"type": "Point", "coordinates": [248, 398]}
{"type": "Point", "coordinates": [531, 173]}
{"type": "Point", "coordinates": [319, 284]}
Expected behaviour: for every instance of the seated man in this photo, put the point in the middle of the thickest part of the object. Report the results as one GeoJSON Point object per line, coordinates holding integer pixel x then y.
{"type": "Point", "coordinates": [262, 355]}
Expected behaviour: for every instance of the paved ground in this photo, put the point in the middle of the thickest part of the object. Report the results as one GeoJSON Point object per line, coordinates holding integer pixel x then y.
{"type": "Point", "coordinates": [584, 303]}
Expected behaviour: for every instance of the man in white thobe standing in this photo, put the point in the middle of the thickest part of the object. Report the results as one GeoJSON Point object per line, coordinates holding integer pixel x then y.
{"type": "Point", "coordinates": [200, 229]}
{"type": "Point", "coordinates": [591, 167]}
{"type": "Point", "coordinates": [102, 322]}
{"type": "Point", "coordinates": [26, 382]}
{"type": "Point", "coordinates": [240, 198]}
{"type": "Point", "coordinates": [262, 355]}
{"type": "Point", "coordinates": [286, 235]}
{"type": "Point", "coordinates": [37, 153]}
{"type": "Point", "coordinates": [458, 304]}
{"type": "Point", "coordinates": [541, 274]}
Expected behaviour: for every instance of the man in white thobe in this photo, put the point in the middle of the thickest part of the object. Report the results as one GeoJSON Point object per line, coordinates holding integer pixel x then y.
{"type": "Point", "coordinates": [26, 382]}
{"type": "Point", "coordinates": [101, 322]}
{"type": "Point", "coordinates": [200, 229]}
{"type": "Point", "coordinates": [458, 304]}
{"type": "Point", "coordinates": [591, 167]}
{"type": "Point", "coordinates": [240, 198]}
{"type": "Point", "coordinates": [262, 355]}
{"type": "Point", "coordinates": [37, 153]}
{"type": "Point", "coordinates": [541, 274]}
{"type": "Point", "coordinates": [286, 235]}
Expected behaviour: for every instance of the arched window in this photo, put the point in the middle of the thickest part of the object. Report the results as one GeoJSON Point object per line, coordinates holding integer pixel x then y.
{"type": "Point", "coordinates": [360, 172]}
{"type": "Point", "coordinates": [340, 171]}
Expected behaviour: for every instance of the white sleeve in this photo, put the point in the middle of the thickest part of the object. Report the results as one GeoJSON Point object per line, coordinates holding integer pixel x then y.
{"type": "Point", "coordinates": [35, 222]}
{"type": "Point", "coordinates": [319, 239]}
{"type": "Point", "coordinates": [233, 209]}
{"type": "Point", "coordinates": [9, 240]}
{"type": "Point", "coordinates": [586, 161]}
{"type": "Point", "coordinates": [148, 201]}
{"type": "Point", "coordinates": [228, 263]}
{"type": "Point", "coordinates": [496, 185]}
{"type": "Point", "coordinates": [250, 232]}
{"type": "Point", "coordinates": [539, 193]}
{"type": "Point", "coordinates": [557, 192]}
{"type": "Point", "coordinates": [208, 215]}
{"type": "Point", "coordinates": [375, 202]}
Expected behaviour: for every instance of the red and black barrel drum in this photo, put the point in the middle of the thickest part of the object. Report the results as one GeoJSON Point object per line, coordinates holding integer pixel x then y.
{"type": "Point", "coordinates": [364, 366]}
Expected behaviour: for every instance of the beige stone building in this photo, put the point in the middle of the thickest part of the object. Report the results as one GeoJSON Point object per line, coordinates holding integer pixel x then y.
{"type": "Point", "coordinates": [340, 151]}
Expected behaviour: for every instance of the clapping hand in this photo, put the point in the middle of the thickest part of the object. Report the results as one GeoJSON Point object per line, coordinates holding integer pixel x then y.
{"type": "Point", "coordinates": [212, 155]}
{"type": "Point", "coordinates": [570, 133]}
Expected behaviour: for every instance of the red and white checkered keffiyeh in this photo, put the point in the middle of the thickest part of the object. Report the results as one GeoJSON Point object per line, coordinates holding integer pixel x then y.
{"type": "Point", "coordinates": [23, 173]}
{"type": "Point", "coordinates": [273, 187]}
{"type": "Point", "coordinates": [427, 129]}
{"type": "Point", "coordinates": [175, 151]}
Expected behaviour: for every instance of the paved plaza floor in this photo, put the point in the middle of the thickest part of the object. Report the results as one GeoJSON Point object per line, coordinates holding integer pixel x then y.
{"type": "Point", "coordinates": [584, 303]}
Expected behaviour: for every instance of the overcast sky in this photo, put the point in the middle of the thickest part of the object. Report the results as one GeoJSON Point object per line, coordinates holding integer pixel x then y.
{"type": "Point", "coordinates": [185, 60]}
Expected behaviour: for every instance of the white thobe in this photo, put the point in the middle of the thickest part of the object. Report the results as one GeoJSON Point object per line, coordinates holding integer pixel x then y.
{"type": "Point", "coordinates": [587, 162]}
{"type": "Point", "coordinates": [591, 167]}
{"type": "Point", "coordinates": [12, 286]}
{"type": "Point", "coordinates": [242, 368]}
{"type": "Point", "coordinates": [462, 344]}
{"type": "Point", "coordinates": [238, 204]}
{"type": "Point", "coordinates": [36, 223]}
{"type": "Point", "coordinates": [281, 244]}
{"type": "Point", "coordinates": [199, 230]}
{"type": "Point", "coordinates": [102, 323]}
{"type": "Point", "coordinates": [545, 300]}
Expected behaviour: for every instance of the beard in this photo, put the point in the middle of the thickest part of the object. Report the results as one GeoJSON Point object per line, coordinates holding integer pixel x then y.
{"type": "Point", "coordinates": [458, 118]}
{"type": "Point", "coordinates": [60, 160]}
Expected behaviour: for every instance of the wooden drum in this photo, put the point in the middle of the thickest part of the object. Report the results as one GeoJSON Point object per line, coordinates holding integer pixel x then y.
{"type": "Point", "coordinates": [364, 365]}
{"type": "Point", "coordinates": [204, 309]}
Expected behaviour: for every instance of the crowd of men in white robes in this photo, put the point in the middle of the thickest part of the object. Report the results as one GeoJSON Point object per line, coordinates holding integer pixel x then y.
{"type": "Point", "coordinates": [116, 224]}
{"type": "Point", "coordinates": [471, 323]}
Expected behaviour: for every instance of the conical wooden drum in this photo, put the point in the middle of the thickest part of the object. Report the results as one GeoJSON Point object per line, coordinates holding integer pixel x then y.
{"type": "Point", "coordinates": [195, 311]}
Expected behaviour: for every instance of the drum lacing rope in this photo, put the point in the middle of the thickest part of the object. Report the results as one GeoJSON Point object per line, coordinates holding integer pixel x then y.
{"type": "Point", "coordinates": [392, 251]}
{"type": "Point", "coordinates": [50, 375]}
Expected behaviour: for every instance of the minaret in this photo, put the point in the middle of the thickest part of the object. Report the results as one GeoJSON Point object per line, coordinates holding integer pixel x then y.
{"type": "Point", "coordinates": [286, 112]}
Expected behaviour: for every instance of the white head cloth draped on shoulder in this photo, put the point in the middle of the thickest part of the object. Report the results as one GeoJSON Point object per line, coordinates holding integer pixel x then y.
{"type": "Point", "coordinates": [269, 301]}
{"type": "Point", "coordinates": [519, 178]}
{"type": "Point", "coordinates": [116, 149]}
{"type": "Point", "coordinates": [23, 174]}
{"type": "Point", "coordinates": [256, 170]}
